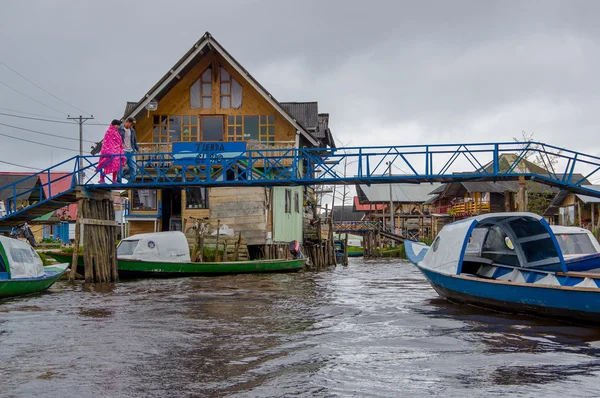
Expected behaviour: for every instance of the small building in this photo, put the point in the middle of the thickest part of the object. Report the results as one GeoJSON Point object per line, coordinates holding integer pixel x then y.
{"type": "Point", "coordinates": [412, 207]}
{"type": "Point", "coordinates": [208, 97]}
{"type": "Point", "coordinates": [569, 208]}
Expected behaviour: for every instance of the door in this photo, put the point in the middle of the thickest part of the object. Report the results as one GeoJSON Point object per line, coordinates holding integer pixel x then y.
{"type": "Point", "coordinates": [212, 128]}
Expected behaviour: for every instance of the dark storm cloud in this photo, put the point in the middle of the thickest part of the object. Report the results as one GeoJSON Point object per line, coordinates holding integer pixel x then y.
{"type": "Point", "coordinates": [387, 71]}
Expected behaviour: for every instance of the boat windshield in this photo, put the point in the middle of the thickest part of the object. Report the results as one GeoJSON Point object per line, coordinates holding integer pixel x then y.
{"type": "Point", "coordinates": [127, 247]}
{"type": "Point", "coordinates": [575, 244]}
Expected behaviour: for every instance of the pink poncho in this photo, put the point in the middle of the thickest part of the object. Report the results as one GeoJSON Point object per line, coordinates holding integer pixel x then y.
{"type": "Point", "coordinates": [111, 145]}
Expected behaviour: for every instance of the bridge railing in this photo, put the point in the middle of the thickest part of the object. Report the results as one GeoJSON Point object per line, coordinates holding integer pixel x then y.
{"type": "Point", "coordinates": [308, 166]}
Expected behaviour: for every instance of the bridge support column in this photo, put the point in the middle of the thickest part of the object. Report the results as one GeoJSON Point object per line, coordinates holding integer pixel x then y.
{"type": "Point", "coordinates": [96, 214]}
{"type": "Point", "coordinates": [522, 195]}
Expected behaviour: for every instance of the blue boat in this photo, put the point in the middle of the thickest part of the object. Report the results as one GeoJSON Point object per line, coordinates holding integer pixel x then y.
{"type": "Point", "coordinates": [510, 262]}
{"type": "Point", "coordinates": [579, 247]}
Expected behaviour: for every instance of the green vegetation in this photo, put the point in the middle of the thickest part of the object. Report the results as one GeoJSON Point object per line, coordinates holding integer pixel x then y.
{"type": "Point", "coordinates": [69, 250]}
{"type": "Point", "coordinates": [396, 252]}
{"type": "Point", "coordinates": [427, 241]}
{"type": "Point", "coordinates": [44, 259]}
{"type": "Point", "coordinates": [355, 249]}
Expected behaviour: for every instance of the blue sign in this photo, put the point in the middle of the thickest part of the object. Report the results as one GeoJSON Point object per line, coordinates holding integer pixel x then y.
{"type": "Point", "coordinates": [192, 153]}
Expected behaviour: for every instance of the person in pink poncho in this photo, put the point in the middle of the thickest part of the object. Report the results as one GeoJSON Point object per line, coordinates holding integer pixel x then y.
{"type": "Point", "coordinates": [111, 145]}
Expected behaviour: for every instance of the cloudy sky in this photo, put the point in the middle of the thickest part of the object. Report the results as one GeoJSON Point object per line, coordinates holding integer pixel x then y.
{"type": "Point", "coordinates": [390, 72]}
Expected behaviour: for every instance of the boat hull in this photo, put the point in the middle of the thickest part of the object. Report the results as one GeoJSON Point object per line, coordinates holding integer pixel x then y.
{"type": "Point", "coordinates": [576, 305]}
{"type": "Point", "coordinates": [24, 287]}
{"type": "Point", "coordinates": [137, 269]}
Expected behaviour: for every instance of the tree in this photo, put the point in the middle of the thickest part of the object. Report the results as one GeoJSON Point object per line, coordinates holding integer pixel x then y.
{"type": "Point", "coordinates": [539, 196]}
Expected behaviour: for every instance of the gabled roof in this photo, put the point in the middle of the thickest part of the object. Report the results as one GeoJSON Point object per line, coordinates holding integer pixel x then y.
{"type": "Point", "coordinates": [368, 206]}
{"type": "Point", "coordinates": [7, 178]}
{"type": "Point", "coordinates": [346, 213]}
{"type": "Point", "coordinates": [306, 113]}
{"type": "Point", "coordinates": [57, 185]}
{"type": "Point", "coordinates": [401, 193]}
{"type": "Point", "coordinates": [185, 64]}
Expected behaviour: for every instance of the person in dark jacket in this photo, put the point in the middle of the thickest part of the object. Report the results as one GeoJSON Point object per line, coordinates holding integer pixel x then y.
{"type": "Point", "coordinates": [130, 146]}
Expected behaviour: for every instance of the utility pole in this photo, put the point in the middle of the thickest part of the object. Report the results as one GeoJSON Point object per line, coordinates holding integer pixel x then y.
{"type": "Point", "coordinates": [391, 203]}
{"type": "Point", "coordinates": [80, 120]}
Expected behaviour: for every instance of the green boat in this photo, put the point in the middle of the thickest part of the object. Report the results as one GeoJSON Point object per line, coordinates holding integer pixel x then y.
{"type": "Point", "coordinates": [22, 271]}
{"type": "Point", "coordinates": [166, 254]}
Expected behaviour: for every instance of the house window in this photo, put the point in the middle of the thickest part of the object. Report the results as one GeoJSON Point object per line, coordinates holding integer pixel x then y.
{"type": "Point", "coordinates": [231, 91]}
{"type": "Point", "coordinates": [196, 198]}
{"type": "Point", "coordinates": [267, 128]}
{"type": "Point", "coordinates": [288, 200]}
{"type": "Point", "coordinates": [143, 199]}
{"type": "Point", "coordinates": [201, 91]}
{"type": "Point", "coordinates": [174, 128]}
{"type": "Point", "coordinates": [235, 128]}
{"type": "Point", "coordinates": [251, 128]}
{"type": "Point", "coordinates": [296, 202]}
{"type": "Point", "coordinates": [160, 131]}
{"type": "Point", "coordinates": [212, 128]}
{"type": "Point", "coordinates": [189, 128]}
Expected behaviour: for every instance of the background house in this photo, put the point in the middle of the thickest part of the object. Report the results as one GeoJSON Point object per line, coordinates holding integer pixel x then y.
{"type": "Point", "coordinates": [412, 206]}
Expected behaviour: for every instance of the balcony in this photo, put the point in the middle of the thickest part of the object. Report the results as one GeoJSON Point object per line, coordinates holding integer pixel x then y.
{"type": "Point", "coordinates": [273, 149]}
{"type": "Point", "coordinates": [465, 208]}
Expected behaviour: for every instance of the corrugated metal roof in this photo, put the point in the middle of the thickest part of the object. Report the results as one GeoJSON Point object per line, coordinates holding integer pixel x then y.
{"type": "Point", "coordinates": [129, 107]}
{"type": "Point", "coordinates": [348, 213]}
{"type": "Point", "coordinates": [23, 186]}
{"type": "Point", "coordinates": [306, 113]}
{"type": "Point", "coordinates": [589, 199]}
{"type": "Point", "coordinates": [401, 193]}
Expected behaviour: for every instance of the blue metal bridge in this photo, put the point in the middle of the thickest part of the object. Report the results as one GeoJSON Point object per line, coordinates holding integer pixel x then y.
{"type": "Point", "coordinates": [231, 164]}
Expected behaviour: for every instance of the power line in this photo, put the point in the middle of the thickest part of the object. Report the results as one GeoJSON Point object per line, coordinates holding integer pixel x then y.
{"type": "Point", "coordinates": [48, 134]}
{"type": "Point", "coordinates": [19, 165]}
{"type": "Point", "coordinates": [33, 99]}
{"type": "Point", "coordinates": [32, 114]}
{"type": "Point", "coordinates": [38, 143]}
{"type": "Point", "coordinates": [36, 118]}
{"type": "Point", "coordinates": [44, 90]}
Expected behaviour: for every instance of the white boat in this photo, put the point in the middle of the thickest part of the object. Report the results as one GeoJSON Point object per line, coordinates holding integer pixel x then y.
{"type": "Point", "coordinates": [510, 262]}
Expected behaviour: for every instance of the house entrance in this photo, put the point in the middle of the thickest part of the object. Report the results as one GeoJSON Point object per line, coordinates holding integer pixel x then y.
{"type": "Point", "coordinates": [171, 210]}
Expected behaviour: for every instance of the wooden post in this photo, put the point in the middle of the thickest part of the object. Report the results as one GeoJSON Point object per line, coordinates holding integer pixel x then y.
{"type": "Point", "coordinates": [75, 259]}
{"type": "Point", "coordinates": [522, 195]}
{"type": "Point", "coordinates": [345, 260]}
{"type": "Point", "coordinates": [216, 259]}
{"type": "Point", "coordinates": [237, 247]}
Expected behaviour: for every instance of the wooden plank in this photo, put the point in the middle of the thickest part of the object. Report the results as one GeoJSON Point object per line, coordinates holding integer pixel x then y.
{"type": "Point", "coordinates": [106, 223]}
{"type": "Point", "coordinates": [240, 198]}
{"type": "Point", "coordinates": [235, 191]}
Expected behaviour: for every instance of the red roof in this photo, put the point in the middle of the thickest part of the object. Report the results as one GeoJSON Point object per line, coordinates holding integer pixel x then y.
{"type": "Point", "coordinates": [59, 181]}
{"type": "Point", "coordinates": [368, 206]}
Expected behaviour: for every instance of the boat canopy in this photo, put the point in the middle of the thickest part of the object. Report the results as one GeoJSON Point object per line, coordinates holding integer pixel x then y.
{"type": "Point", "coordinates": [514, 239]}
{"type": "Point", "coordinates": [169, 247]}
{"type": "Point", "coordinates": [23, 261]}
{"type": "Point", "coordinates": [575, 240]}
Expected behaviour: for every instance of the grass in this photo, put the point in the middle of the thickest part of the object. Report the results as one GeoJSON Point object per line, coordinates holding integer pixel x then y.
{"type": "Point", "coordinates": [396, 252]}
{"type": "Point", "coordinates": [69, 250]}
{"type": "Point", "coordinates": [355, 249]}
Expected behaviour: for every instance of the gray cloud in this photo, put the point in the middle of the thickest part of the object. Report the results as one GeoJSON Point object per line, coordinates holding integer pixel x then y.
{"type": "Point", "coordinates": [388, 72]}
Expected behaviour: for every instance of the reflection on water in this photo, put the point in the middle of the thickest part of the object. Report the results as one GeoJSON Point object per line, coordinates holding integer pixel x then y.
{"type": "Point", "coordinates": [374, 328]}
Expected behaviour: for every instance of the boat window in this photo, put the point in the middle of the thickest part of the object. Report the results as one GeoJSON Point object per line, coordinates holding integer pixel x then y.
{"type": "Point", "coordinates": [537, 250]}
{"type": "Point", "coordinates": [524, 227]}
{"type": "Point", "coordinates": [127, 247]}
{"type": "Point", "coordinates": [436, 244]}
{"type": "Point", "coordinates": [575, 244]}
{"type": "Point", "coordinates": [496, 248]}
{"type": "Point", "coordinates": [2, 264]}
{"type": "Point", "coordinates": [476, 241]}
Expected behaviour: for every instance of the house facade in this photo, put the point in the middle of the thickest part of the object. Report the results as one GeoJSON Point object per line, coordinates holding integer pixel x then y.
{"type": "Point", "coordinates": [207, 97]}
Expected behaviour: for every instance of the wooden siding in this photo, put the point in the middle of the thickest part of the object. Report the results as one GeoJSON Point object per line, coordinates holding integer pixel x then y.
{"type": "Point", "coordinates": [142, 227]}
{"type": "Point", "coordinates": [287, 226]}
{"type": "Point", "coordinates": [241, 209]}
{"type": "Point", "coordinates": [177, 103]}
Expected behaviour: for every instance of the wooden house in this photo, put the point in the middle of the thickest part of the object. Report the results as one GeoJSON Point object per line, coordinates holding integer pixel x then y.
{"type": "Point", "coordinates": [570, 208]}
{"type": "Point", "coordinates": [208, 97]}
{"type": "Point", "coordinates": [412, 207]}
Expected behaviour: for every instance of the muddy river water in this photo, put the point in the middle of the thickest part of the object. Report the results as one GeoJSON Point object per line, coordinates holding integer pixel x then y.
{"type": "Point", "coordinates": [372, 329]}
